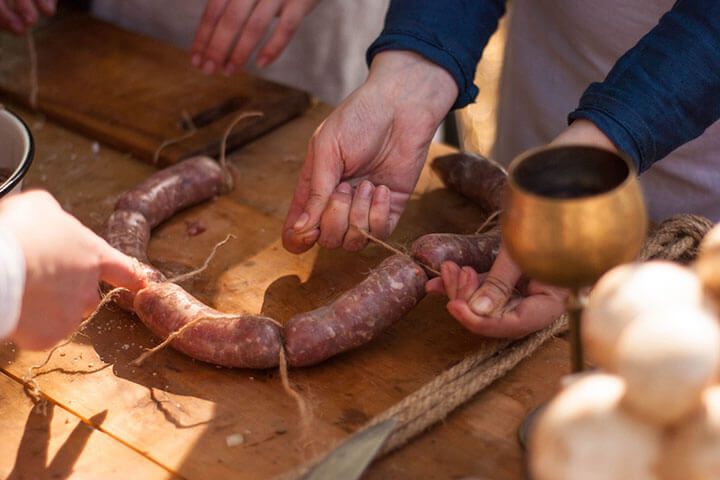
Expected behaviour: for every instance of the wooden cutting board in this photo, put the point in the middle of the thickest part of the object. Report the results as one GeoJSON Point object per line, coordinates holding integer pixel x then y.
{"type": "Point", "coordinates": [135, 93]}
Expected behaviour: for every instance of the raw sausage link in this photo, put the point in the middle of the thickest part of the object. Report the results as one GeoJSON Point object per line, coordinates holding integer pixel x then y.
{"type": "Point", "coordinates": [358, 315]}
{"type": "Point", "coordinates": [174, 188]}
{"type": "Point", "coordinates": [230, 340]}
{"type": "Point", "coordinates": [477, 251]}
{"type": "Point", "coordinates": [474, 177]}
{"type": "Point", "coordinates": [242, 341]}
{"type": "Point", "coordinates": [246, 341]}
{"type": "Point", "coordinates": [129, 232]}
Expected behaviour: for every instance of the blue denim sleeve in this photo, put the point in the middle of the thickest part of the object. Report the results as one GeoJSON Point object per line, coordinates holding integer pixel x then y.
{"type": "Point", "coordinates": [450, 33]}
{"type": "Point", "coordinates": [665, 91]}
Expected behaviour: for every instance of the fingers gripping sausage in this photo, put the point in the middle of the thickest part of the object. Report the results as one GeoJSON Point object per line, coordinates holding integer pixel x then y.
{"type": "Point", "coordinates": [477, 251]}
{"type": "Point", "coordinates": [129, 232]}
{"type": "Point", "coordinates": [125, 299]}
{"type": "Point", "coordinates": [474, 177]}
{"type": "Point", "coordinates": [393, 289]}
{"type": "Point", "coordinates": [358, 315]}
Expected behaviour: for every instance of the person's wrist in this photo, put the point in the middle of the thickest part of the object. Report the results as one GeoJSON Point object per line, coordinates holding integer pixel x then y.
{"type": "Point", "coordinates": [584, 132]}
{"type": "Point", "coordinates": [409, 77]}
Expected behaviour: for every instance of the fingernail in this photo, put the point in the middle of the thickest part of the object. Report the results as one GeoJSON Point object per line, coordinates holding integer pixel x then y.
{"type": "Point", "coordinates": [301, 222]}
{"type": "Point", "coordinates": [209, 67]}
{"type": "Point", "coordinates": [17, 26]}
{"type": "Point", "coordinates": [230, 69]}
{"type": "Point", "coordinates": [462, 280]}
{"type": "Point", "coordinates": [28, 17]}
{"type": "Point", "coordinates": [196, 60]}
{"type": "Point", "coordinates": [344, 188]}
{"type": "Point", "coordinates": [365, 189]}
{"type": "Point", "coordinates": [309, 240]}
{"type": "Point", "coordinates": [482, 305]}
{"type": "Point", "coordinates": [382, 193]}
{"type": "Point", "coordinates": [50, 6]}
{"type": "Point", "coordinates": [261, 61]}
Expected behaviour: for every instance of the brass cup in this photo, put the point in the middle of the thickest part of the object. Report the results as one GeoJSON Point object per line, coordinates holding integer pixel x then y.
{"type": "Point", "coordinates": [572, 213]}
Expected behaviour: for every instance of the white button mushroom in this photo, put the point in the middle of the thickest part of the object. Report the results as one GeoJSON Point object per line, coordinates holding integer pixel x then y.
{"type": "Point", "coordinates": [585, 434]}
{"type": "Point", "coordinates": [627, 291]}
{"type": "Point", "coordinates": [667, 358]}
{"type": "Point", "coordinates": [693, 450]}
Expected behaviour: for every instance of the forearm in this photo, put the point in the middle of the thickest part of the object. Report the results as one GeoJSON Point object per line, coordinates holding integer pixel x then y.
{"type": "Point", "coordinates": [665, 91]}
{"type": "Point", "coordinates": [12, 282]}
{"type": "Point", "coordinates": [451, 34]}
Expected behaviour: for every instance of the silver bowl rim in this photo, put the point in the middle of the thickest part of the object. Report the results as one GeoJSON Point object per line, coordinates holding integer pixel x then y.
{"type": "Point", "coordinates": [22, 169]}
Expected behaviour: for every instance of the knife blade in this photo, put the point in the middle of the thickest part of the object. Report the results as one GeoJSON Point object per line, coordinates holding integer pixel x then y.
{"type": "Point", "coordinates": [354, 455]}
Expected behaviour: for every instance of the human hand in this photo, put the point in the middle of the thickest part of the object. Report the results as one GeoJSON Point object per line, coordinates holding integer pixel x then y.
{"type": "Point", "coordinates": [498, 304]}
{"type": "Point", "coordinates": [230, 30]}
{"type": "Point", "coordinates": [64, 262]}
{"type": "Point", "coordinates": [364, 160]}
{"type": "Point", "coordinates": [19, 15]}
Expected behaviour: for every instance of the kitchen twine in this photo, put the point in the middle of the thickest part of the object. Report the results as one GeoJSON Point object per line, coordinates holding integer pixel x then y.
{"type": "Point", "coordinates": [676, 239]}
{"type": "Point", "coordinates": [33, 71]}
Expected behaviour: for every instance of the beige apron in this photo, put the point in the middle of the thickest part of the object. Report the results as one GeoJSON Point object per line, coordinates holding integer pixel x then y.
{"type": "Point", "coordinates": [554, 50]}
{"type": "Point", "coordinates": [326, 56]}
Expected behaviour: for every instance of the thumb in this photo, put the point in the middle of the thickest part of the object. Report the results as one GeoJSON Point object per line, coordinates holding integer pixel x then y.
{"type": "Point", "coordinates": [301, 194]}
{"type": "Point", "coordinates": [497, 287]}
{"type": "Point", "coordinates": [299, 241]}
{"type": "Point", "coordinates": [120, 270]}
{"type": "Point", "coordinates": [325, 173]}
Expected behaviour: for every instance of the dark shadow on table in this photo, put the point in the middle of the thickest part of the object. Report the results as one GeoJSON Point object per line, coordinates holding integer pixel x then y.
{"type": "Point", "coordinates": [31, 461]}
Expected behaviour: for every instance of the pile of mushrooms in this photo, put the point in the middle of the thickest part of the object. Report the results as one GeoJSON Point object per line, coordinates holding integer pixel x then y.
{"type": "Point", "coordinates": [652, 409]}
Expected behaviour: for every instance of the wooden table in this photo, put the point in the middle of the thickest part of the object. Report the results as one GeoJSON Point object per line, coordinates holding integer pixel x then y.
{"type": "Point", "coordinates": [172, 416]}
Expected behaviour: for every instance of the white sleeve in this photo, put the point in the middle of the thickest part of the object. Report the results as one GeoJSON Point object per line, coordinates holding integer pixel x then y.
{"type": "Point", "coordinates": [12, 282]}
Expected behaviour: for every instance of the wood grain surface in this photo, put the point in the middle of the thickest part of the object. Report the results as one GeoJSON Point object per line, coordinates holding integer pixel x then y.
{"type": "Point", "coordinates": [134, 93]}
{"type": "Point", "coordinates": [54, 443]}
{"type": "Point", "coordinates": [179, 412]}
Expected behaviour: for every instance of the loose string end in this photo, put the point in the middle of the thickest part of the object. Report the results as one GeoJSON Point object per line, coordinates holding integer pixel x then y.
{"type": "Point", "coordinates": [34, 81]}
{"type": "Point", "coordinates": [31, 385]}
{"type": "Point", "coordinates": [489, 221]}
{"type": "Point", "coordinates": [223, 145]}
{"type": "Point", "coordinates": [185, 276]}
